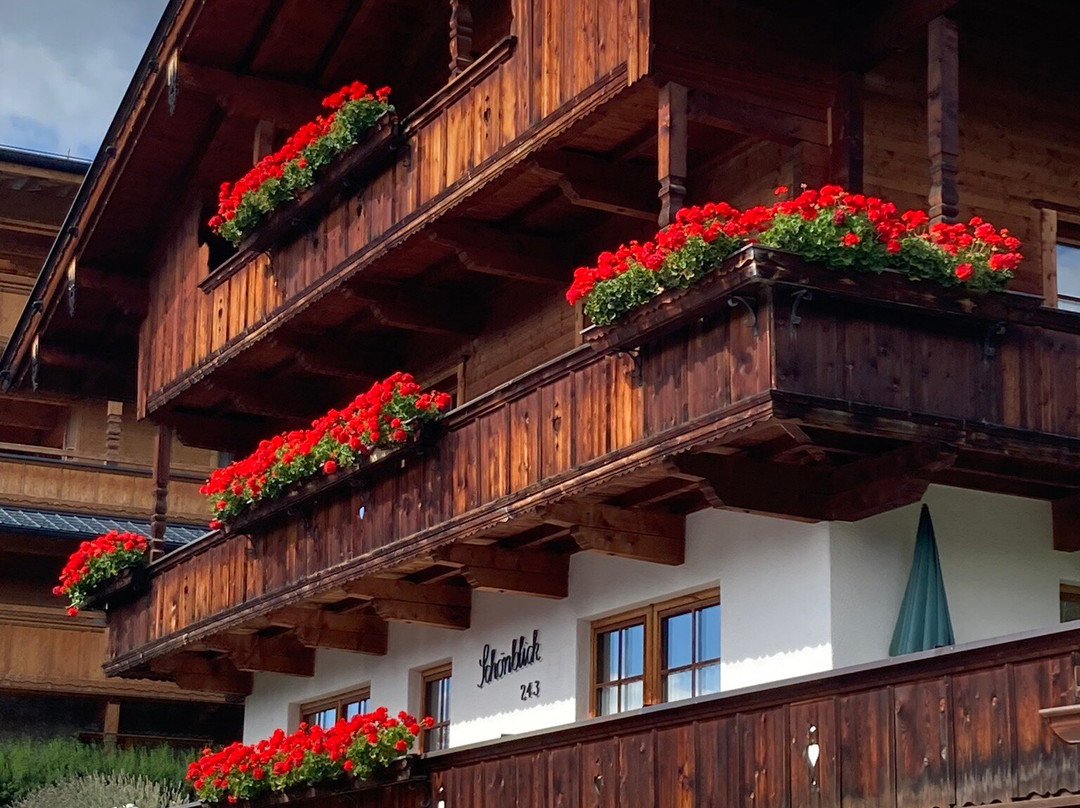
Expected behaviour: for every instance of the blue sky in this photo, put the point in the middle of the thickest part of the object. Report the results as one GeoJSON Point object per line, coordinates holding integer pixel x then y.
{"type": "Point", "coordinates": [64, 66]}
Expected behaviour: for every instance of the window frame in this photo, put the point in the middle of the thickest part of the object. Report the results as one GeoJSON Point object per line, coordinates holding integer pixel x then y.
{"type": "Point", "coordinates": [1053, 219]}
{"type": "Point", "coordinates": [1067, 593]}
{"type": "Point", "coordinates": [652, 617]}
{"type": "Point", "coordinates": [337, 702]}
{"type": "Point", "coordinates": [428, 675]}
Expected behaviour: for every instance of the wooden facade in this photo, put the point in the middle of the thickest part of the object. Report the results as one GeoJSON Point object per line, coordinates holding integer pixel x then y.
{"type": "Point", "coordinates": [522, 146]}
{"type": "Point", "coordinates": [714, 395]}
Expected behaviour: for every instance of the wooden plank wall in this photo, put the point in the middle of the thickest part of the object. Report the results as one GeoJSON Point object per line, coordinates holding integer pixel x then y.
{"type": "Point", "coordinates": [1025, 377]}
{"type": "Point", "coordinates": [564, 47]}
{"type": "Point", "coordinates": [569, 419]}
{"type": "Point", "coordinates": [1016, 145]}
{"type": "Point", "coordinates": [969, 738]}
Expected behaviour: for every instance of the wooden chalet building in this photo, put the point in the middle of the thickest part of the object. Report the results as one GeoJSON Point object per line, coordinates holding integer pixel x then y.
{"type": "Point", "coordinates": [72, 468]}
{"type": "Point", "coordinates": [716, 498]}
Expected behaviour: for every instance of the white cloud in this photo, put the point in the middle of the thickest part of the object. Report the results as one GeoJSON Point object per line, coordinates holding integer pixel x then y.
{"type": "Point", "coordinates": [64, 66]}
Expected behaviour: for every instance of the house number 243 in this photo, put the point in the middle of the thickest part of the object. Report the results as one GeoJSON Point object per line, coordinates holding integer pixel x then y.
{"type": "Point", "coordinates": [530, 690]}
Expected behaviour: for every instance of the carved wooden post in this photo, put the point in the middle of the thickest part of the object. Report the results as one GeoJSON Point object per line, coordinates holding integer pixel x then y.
{"type": "Point", "coordinates": [671, 150]}
{"type": "Point", "coordinates": [846, 152]}
{"type": "Point", "coordinates": [265, 131]}
{"type": "Point", "coordinates": [162, 461]}
{"type": "Point", "coordinates": [943, 117]}
{"type": "Point", "coordinates": [113, 430]}
{"type": "Point", "coordinates": [111, 727]}
{"type": "Point", "coordinates": [461, 31]}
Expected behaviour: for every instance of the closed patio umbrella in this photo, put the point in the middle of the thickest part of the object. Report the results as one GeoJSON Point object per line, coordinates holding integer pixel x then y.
{"type": "Point", "coordinates": [924, 621]}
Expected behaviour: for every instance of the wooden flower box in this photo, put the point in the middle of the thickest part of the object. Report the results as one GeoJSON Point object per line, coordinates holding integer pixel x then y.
{"type": "Point", "coordinates": [404, 772]}
{"type": "Point", "coordinates": [309, 491]}
{"type": "Point", "coordinates": [125, 588]}
{"type": "Point", "coordinates": [365, 160]}
{"type": "Point", "coordinates": [753, 271]}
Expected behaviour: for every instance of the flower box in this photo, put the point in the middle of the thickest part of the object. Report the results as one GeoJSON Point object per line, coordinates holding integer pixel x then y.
{"type": "Point", "coordinates": [126, 587]}
{"type": "Point", "coordinates": [406, 771]}
{"type": "Point", "coordinates": [742, 274]}
{"type": "Point", "coordinates": [351, 171]}
{"type": "Point", "coordinates": [302, 493]}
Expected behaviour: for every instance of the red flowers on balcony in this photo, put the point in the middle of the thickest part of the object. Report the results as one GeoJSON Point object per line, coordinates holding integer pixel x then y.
{"type": "Point", "coordinates": [386, 416]}
{"type": "Point", "coordinates": [357, 747]}
{"type": "Point", "coordinates": [280, 176]}
{"type": "Point", "coordinates": [99, 561]}
{"type": "Point", "coordinates": [827, 225]}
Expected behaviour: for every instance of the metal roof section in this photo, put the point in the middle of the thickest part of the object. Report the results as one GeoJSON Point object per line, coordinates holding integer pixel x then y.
{"type": "Point", "coordinates": [87, 526]}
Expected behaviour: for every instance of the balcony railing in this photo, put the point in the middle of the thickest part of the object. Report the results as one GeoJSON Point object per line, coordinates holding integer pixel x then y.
{"type": "Point", "coordinates": [854, 391]}
{"type": "Point", "coordinates": [952, 727]}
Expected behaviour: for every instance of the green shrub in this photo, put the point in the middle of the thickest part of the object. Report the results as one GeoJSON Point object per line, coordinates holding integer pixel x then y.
{"type": "Point", "coordinates": [117, 790]}
{"type": "Point", "coordinates": [27, 766]}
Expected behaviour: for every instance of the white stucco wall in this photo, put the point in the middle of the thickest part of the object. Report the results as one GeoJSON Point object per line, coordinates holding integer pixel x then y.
{"type": "Point", "coordinates": [1001, 571]}
{"type": "Point", "coordinates": [770, 629]}
{"type": "Point", "coordinates": [796, 598]}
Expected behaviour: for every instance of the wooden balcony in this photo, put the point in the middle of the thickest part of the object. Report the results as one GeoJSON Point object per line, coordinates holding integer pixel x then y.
{"type": "Point", "coordinates": [930, 730]}
{"type": "Point", "coordinates": [41, 477]}
{"type": "Point", "coordinates": [773, 387]}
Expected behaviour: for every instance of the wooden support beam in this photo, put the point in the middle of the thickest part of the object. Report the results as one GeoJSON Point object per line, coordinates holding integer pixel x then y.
{"type": "Point", "coordinates": [333, 360]}
{"type": "Point", "coordinates": [624, 532]}
{"type": "Point", "coordinates": [943, 117]}
{"type": "Point", "coordinates": [280, 654]}
{"type": "Point", "coordinates": [402, 601]}
{"type": "Point", "coordinates": [163, 439]}
{"type": "Point", "coordinates": [461, 31]}
{"type": "Point", "coordinates": [313, 628]}
{"type": "Point", "coordinates": [266, 399]}
{"type": "Point", "coordinates": [671, 148]}
{"type": "Point", "coordinates": [849, 492]}
{"type": "Point", "coordinates": [1066, 523]}
{"type": "Point", "coordinates": [286, 104]}
{"type": "Point", "coordinates": [846, 133]}
{"type": "Point", "coordinates": [775, 123]}
{"type": "Point", "coordinates": [111, 725]}
{"type": "Point", "coordinates": [591, 182]}
{"type": "Point", "coordinates": [898, 25]}
{"type": "Point", "coordinates": [128, 293]}
{"type": "Point", "coordinates": [417, 311]}
{"type": "Point", "coordinates": [196, 672]}
{"type": "Point", "coordinates": [488, 250]}
{"type": "Point", "coordinates": [523, 572]}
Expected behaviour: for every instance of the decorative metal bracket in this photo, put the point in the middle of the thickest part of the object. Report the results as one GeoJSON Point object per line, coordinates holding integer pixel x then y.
{"type": "Point", "coordinates": [734, 301]}
{"type": "Point", "coordinates": [989, 348]}
{"type": "Point", "coordinates": [799, 296]}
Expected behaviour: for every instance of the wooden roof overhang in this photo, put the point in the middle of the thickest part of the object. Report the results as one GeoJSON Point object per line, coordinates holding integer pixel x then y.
{"type": "Point", "coordinates": [738, 393]}
{"type": "Point", "coordinates": [173, 141]}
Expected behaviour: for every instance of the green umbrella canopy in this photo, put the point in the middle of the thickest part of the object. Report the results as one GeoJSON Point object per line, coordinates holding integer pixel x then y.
{"type": "Point", "coordinates": [924, 621]}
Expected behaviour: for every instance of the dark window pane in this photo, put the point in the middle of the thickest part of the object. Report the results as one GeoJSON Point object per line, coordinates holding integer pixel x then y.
{"type": "Point", "coordinates": [607, 656]}
{"type": "Point", "coordinates": [678, 640]}
{"type": "Point", "coordinates": [354, 708]}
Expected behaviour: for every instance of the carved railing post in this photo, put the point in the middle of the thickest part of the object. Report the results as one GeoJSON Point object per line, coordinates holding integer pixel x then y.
{"type": "Point", "coordinates": [671, 150]}
{"type": "Point", "coordinates": [162, 461]}
{"type": "Point", "coordinates": [461, 31]}
{"type": "Point", "coordinates": [113, 430]}
{"type": "Point", "coordinates": [943, 117]}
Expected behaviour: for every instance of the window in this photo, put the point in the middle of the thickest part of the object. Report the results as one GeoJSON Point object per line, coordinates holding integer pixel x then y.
{"type": "Point", "coordinates": [1067, 255]}
{"type": "Point", "coordinates": [327, 712]}
{"type": "Point", "coordinates": [435, 702]}
{"type": "Point", "coordinates": [665, 652]}
{"type": "Point", "coordinates": [1070, 602]}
